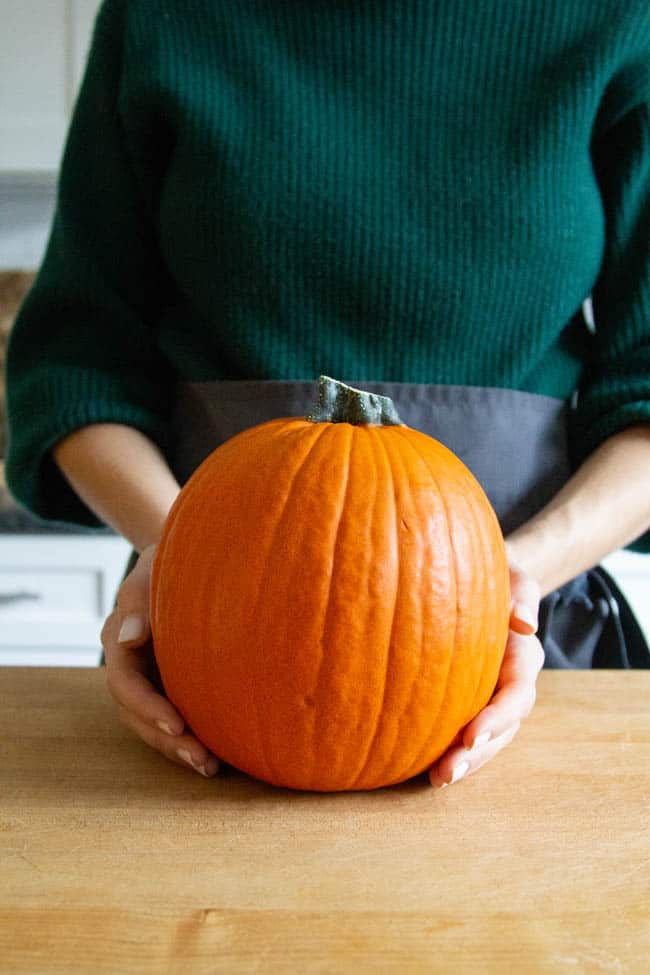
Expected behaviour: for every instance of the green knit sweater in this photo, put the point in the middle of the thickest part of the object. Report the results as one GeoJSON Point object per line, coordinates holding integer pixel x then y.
{"type": "Point", "coordinates": [399, 190]}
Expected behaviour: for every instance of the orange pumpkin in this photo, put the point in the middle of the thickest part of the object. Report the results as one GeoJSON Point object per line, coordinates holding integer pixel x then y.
{"type": "Point", "coordinates": [330, 597]}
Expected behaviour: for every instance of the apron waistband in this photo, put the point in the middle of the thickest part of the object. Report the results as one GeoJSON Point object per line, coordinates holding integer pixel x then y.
{"type": "Point", "coordinates": [515, 443]}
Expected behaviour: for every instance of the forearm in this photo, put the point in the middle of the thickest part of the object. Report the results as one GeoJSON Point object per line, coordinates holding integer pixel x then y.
{"type": "Point", "coordinates": [603, 507]}
{"type": "Point", "coordinates": [122, 476]}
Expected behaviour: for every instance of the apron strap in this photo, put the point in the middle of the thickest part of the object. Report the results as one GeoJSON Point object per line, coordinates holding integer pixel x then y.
{"type": "Point", "coordinates": [588, 624]}
{"type": "Point", "coordinates": [625, 630]}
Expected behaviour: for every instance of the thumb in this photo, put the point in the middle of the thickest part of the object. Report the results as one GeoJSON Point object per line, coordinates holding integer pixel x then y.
{"type": "Point", "coordinates": [525, 597]}
{"type": "Point", "coordinates": [133, 601]}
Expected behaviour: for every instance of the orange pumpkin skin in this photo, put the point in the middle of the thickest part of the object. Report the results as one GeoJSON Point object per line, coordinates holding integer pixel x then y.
{"type": "Point", "coordinates": [330, 602]}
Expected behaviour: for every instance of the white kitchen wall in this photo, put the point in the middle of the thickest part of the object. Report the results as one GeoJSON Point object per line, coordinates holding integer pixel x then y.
{"type": "Point", "coordinates": [26, 210]}
{"type": "Point", "coordinates": [43, 46]}
{"type": "Point", "coordinates": [43, 50]}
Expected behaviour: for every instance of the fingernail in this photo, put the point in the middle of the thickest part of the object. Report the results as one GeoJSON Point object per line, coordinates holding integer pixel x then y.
{"type": "Point", "coordinates": [208, 770]}
{"type": "Point", "coordinates": [524, 614]}
{"type": "Point", "coordinates": [165, 727]}
{"type": "Point", "coordinates": [459, 771]}
{"type": "Point", "coordinates": [211, 766]}
{"type": "Point", "coordinates": [132, 629]}
{"type": "Point", "coordinates": [481, 739]}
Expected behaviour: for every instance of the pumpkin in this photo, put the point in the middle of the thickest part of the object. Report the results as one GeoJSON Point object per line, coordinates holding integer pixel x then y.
{"type": "Point", "coordinates": [330, 597]}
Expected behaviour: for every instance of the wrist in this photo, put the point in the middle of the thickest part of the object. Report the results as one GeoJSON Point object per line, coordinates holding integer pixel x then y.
{"type": "Point", "coordinates": [122, 476]}
{"type": "Point", "coordinates": [539, 548]}
{"type": "Point", "coordinates": [577, 528]}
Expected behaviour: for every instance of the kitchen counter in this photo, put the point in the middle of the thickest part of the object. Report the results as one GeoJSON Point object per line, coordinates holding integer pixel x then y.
{"type": "Point", "coordinates": [116, 860]}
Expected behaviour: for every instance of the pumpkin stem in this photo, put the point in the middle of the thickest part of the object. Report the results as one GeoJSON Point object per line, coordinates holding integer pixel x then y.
{"type": "Point", "coordinates": [338, 403]}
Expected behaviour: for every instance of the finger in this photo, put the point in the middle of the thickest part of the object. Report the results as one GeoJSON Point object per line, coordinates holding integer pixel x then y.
{"type": "Point", "coordinates": [525, 596]}
{"type": "Point", "coordinates": [127, 667]}
{"type": "Point", "coordinates": [132, 603]}
{"type": "Point", "coordinates": [516, 691]}
{"type": "Point", "coordinates": [458, 763]}
{"type": "Point", "coordinates": [183, 750]}
{"type": "Point", "coordinates": [133, 594]}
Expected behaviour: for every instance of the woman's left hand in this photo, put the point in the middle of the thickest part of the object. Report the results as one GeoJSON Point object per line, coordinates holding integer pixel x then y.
{"type": "Point", "coordinates": [514, 697]}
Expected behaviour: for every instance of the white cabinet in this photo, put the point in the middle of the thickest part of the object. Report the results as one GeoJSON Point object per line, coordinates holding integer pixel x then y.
{"type": "Point", "coordinates": [632, 573]}
{"type": "Point", "coordinates": [55, 594]}
{"type": "Point", "coordinates": [43, 49]}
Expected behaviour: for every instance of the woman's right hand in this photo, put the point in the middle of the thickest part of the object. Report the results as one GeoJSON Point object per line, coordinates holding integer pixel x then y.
{"type": "Point", "coordinates": [128, 650]}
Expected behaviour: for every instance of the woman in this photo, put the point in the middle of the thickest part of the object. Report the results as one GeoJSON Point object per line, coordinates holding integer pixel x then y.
{"type": "Point", "coordinates": [416, 198]}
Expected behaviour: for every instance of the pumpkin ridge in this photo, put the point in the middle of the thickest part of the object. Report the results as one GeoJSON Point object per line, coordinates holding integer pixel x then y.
{"type": "Point", "coordinates": [268, 556]}
{"type": "Point", "coordinates": [158, 610]}
{"type": "Point", "coordinates": [478, 543]}
{"type": "Point", "coordinates": [171, 540]}
{"type": "Point", "coordinates": [314, 691]}
{"type": "Point", "coordinates": [417, 676]}
{"type": "Point", "coordinates": [472, 535]}
{"type": "Point", "coordinates": [486, 562]}
{"type": "Point", "coordinates": [378, 441]}
{"type": "Point", "coordinates": [477, 520]}
{"type": "Point", "coordinates": [417, 761]}
{"type": "Point", "coordinates": [493, 615]}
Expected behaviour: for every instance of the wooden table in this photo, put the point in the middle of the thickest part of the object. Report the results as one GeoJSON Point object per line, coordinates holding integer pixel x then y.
{"type": "Point", "coordinates": [115, 860]}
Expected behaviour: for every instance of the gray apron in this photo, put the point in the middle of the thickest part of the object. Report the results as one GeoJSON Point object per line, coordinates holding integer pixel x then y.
{"type": "Point", "coordinates": [515, 444]}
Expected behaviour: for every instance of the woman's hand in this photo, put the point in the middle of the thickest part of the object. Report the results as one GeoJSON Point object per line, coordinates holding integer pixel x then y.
{"type": "Point", "coordinates": [496, 725]}
{"type": "Point", "coordinates": [129, 654]}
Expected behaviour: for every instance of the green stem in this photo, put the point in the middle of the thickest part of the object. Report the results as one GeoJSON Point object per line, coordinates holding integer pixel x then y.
{"type": "Point", "coordinates": [338, 403]}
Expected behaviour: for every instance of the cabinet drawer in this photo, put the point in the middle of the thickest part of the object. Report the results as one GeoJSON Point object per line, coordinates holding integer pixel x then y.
{"type": "Point", "coordinates": [55, 593]}
{"type": "Point", "coordinates": [58, 592]}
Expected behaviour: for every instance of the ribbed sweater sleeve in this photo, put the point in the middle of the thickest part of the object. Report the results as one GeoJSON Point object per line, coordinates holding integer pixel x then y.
{"type": "Point", "coordinates": [616, 385]}
{"type": "Point", "coordinates": [81, 349]}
